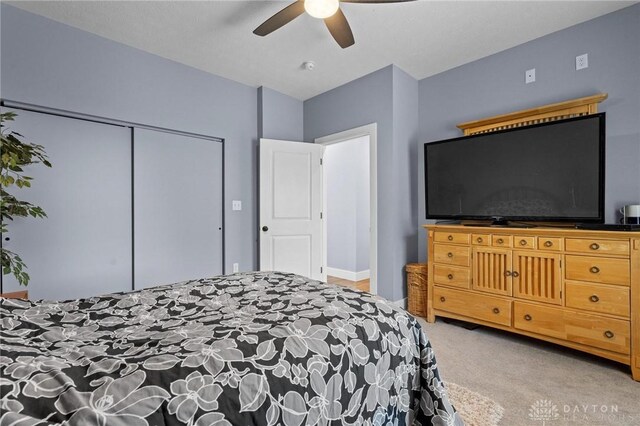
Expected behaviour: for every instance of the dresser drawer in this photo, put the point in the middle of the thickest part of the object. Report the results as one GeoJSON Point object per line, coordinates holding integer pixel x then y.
{"type": "Point", "coordinates": [523, 242]}
{"type": "Point", "coordinates": [481, 239]}
{"type": "Point", "coordinates": [596, 246]}
{"type": "Point", "coordinates": [452, 237]}
{"type": "Point", "coordinates": [550, 243]}
{"type": "Point", "coordinates": [601, 298]}
{"type": "Point", "coordinates": [456, 276]}
{"type": "Point", "coordinates": [452, 255]}
{"type": "Point", "coordinates": [605, 270]}
{"type": "Point", "coordinates": [587, 329]}
{"type": "Point", "coordinates": [486, 308]}
{"type": "Point", "coordinates": [501, 240]}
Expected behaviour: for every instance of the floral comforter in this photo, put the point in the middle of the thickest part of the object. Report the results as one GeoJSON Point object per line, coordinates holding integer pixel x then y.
{"type": "Point", "coordinates": [244, 349]}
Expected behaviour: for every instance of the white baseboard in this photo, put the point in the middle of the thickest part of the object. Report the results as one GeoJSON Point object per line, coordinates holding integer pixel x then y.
{"type": "Point", "coordinates": [362, 275]}
{"type": "Point", "coordinates": [348, 275]}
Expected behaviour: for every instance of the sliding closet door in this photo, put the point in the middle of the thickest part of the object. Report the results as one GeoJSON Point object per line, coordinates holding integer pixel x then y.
{"type": "Point", "coordinates": [177, 208]}
{"type": "Point", "coordinates": [83, 247]}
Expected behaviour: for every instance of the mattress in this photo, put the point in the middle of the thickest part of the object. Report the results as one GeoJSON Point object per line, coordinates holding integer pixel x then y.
{"type": "Point", "coordinates": [261, 348]}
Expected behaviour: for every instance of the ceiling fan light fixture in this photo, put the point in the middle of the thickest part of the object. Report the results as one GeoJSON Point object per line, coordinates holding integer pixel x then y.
{"type": "Point", "coordinates": [321, 9]}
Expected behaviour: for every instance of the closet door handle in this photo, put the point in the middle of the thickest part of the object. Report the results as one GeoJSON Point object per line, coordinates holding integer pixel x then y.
{"type": "Point", "coordinates": [507, 273]}
{"type": "Point", "coordinates": [515, 274]}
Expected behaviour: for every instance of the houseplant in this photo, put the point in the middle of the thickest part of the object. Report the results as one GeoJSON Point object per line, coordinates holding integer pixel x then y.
{"type": "Point", "coordinates": [16, 154]}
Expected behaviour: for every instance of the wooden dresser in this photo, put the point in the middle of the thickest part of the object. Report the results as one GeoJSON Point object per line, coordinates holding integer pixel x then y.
{"type": "Point", "coordinates": [572, 287]}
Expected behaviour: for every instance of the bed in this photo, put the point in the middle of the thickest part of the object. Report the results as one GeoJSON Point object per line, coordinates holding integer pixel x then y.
{"type": "Point", "coordinates": [261, 348]}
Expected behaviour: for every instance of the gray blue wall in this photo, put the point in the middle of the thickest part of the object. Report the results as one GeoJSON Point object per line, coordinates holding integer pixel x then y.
{"type": "Point", "coordinates": [346, 168]}
{"type": "Point", "coordinates": [495, 85]}
{"type": "Point", "coordinates": [51, 64]}
{"type": "Point", "coordinates": [279, 116]}
{"type": "Point", "coordinates": [405, 139]}
{"type": "Point", "coordinates": [381, 97]}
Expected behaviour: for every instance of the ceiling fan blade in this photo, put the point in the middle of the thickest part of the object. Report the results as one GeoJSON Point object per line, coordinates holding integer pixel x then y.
{"type": "Point", "coordinates": [375, 1]}
{"type": "Point", "coordinates": [281, 18]}
{"type": "Point", "coordinates": [340, 29]}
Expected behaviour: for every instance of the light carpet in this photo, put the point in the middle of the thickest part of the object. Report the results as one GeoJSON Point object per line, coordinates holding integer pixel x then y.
{"type": "Point", "coordinates": [475, 409]}
{"type": "Point", "coordinates": [536, 382]}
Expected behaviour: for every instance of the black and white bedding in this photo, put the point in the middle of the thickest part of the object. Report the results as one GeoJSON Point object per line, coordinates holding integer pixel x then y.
{"type": "Point", "coordinates": [244, 349]}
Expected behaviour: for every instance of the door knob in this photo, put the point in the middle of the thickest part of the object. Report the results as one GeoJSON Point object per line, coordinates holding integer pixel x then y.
{"type": "Point", "coordinates": [265, 228]}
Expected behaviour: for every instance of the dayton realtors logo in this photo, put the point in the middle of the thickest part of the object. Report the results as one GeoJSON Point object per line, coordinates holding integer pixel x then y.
{"type": "Point", "coordinates": [543, 411]}
{"type": "Point", "coordinates": [546, 411]}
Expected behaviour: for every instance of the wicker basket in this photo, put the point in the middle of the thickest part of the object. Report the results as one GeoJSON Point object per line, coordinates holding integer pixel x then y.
{"type": "Point", "coordinates": [417, 288]}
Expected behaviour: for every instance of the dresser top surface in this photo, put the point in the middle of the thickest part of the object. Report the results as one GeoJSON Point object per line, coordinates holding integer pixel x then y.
{"type": "Point", "coordinates": [536, 230]}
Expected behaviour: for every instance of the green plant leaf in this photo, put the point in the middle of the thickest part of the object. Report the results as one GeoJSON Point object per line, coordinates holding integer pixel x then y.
{"type": "Point", "coordinates": [16, 154]}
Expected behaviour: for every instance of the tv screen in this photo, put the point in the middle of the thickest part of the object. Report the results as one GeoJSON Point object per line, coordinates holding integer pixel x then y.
{"type": "Point", "coordinates": [544, 172]}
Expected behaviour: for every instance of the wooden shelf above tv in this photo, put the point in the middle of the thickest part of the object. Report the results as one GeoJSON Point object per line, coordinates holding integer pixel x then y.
{"type": "Point", "coordinates": [541, 114]}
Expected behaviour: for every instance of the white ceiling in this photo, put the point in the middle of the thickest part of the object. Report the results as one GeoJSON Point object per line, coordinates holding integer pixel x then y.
{"type": "Point", "coordinates": [423, 37]}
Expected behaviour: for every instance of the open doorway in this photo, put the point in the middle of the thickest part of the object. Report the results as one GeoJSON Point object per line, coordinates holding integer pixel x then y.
{"type": "Point", "coordinates": [350, 206]}
{"type": "Point", "coordinates": [346, 166]}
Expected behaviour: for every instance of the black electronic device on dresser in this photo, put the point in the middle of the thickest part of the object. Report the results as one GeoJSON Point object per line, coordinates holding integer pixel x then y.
{"type": "Point", "coordinates": [549, 172]}
{"type": "Point", "coordinates": [623, 227]}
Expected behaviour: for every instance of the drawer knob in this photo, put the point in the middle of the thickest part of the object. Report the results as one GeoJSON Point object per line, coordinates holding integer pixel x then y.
{"type": "Point", "coordinates": [479, 239]}
{"type": "Point", "coordinates": [442, 299]}
{"type": "Point", "coordinates": [523, 242]}
{"type": "Point", "coordinates": [515, 274]}
{"type": "Point", "coordinates": [594, 246]}
{"type": "Point", "coordinates": [594, 298]}
{"type": "Point", "coordinates": [609, 334]}
{"type": "Point", "coordinates": [594, 269]}
{"type": "Point", "coordinates": [500, 241]}
{"type": "Point", "coordinates": [507, 273]}
{"type": "Point", "coordinates": [450, 276]}
{"type": "Point", "coordinates": [450, 238]}
{"type": "Point", "coordinates": [527, 317]}
{"type": "Point", "coordinates": [548, 244]}
{"type": "Point", "coordinates": [449, 254]}
{"type": "Point", "coordinates": [496, 310]}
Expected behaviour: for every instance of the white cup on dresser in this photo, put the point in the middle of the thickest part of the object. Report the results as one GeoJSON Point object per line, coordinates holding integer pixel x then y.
{"type": "Point", "coordinates": [631, 214]}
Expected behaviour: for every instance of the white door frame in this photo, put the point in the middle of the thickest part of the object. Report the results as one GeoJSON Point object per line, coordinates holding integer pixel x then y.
{"type": "Point", "coordinates": [370, 130]}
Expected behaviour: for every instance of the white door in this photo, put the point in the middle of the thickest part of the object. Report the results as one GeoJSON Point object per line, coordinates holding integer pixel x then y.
{"type": "Point", "coordinates": [177, 208]}
{"type": "Point", "coordinates": [291, 225]}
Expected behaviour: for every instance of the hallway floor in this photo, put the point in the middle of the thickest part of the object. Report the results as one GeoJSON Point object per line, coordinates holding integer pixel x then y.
{"type": "Point", "coordinates": [360, 285]}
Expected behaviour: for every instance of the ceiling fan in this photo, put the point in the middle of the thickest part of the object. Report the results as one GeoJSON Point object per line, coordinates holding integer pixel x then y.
{"type": "Point", "coordinates": [329, 10]}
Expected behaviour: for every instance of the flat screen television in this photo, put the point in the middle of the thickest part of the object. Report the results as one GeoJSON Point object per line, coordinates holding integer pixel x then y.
{"type": "Point", "coordinates": [548, 172]}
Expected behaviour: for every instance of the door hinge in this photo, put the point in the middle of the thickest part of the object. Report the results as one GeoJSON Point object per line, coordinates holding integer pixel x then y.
{"type": "Point", "coordinates": [320, 215]}
{"type": "Point", "coordinates": [321, 161]}
{"type": "Point", "coordinates": [321, 269]}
